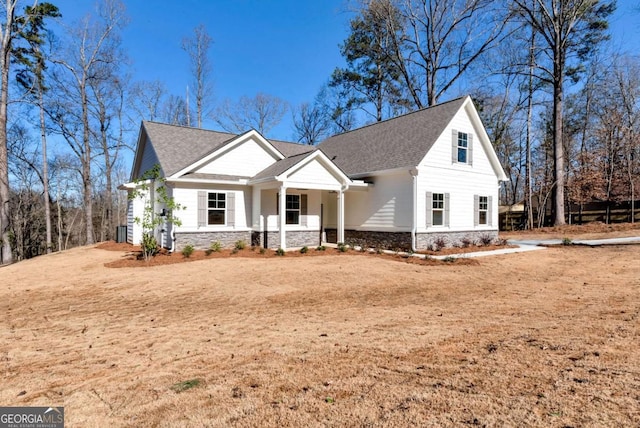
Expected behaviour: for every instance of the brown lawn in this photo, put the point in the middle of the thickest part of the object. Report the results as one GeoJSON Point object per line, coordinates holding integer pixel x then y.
{"type": "Point", "coordinates": [548, 338]}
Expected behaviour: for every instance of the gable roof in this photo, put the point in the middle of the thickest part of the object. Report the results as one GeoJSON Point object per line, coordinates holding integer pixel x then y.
{"type": "Point", "coordinates": [179, 146]}
{"type": "Point", "coordinates": [393, 143]}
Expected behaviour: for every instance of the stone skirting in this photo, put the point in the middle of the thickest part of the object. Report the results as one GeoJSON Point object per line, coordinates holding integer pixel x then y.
{"type": "Point", "coordinates": [402, 240]}
{"type": "Point", "coordinates": [428, 241]}
{"type": "Point", "coordinates": [295, 238]}
{"type": "Point", "coordinates": [203, 240]}
{"type": "Point", "coordinates": [386, 240]}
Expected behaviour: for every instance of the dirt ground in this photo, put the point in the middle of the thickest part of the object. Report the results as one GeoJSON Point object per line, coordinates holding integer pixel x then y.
{"type": "Point", "coordinates": [546, 338]}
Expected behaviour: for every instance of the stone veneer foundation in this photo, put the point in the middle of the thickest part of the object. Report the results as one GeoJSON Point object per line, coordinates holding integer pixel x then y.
{"type": "Point", "coordinates": [402, 240]}
{"type": "Point", "coordinates": [203, 240]}
{"type": "Point", "coordinates": [295, 238]}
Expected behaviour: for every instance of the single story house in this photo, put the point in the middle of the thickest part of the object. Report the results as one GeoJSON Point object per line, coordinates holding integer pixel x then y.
{"type": "Point", "coordinates": [424, 178]}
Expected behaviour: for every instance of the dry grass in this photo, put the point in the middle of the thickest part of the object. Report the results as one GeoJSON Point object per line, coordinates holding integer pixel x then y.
{"type": "Point", "coordinates": [549, 338]}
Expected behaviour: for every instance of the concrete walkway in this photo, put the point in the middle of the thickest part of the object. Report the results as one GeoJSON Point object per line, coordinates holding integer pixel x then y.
{"type": "Point", "coordinates": [533, 245]}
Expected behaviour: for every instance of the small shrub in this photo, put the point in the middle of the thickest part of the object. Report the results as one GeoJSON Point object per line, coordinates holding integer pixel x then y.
{"type": "Point", "coordinates": [279, 252]}
{"type": "Point", "coordinates": [240, 245]}
{"type": "Point", "coordinates": [263, 250]}
{"type": "Point", "coordinates": [466, 242]}
{"type": "Point", "coordinates": [486, 240]}
{"type": "Point", "coordinates": [502, 242]}
{"type": "Point", "coordinates": [321, 248]}
{"type": "Point", "coordinates": [149, 246]}
{"type": "Point", "coordinates": [304, 250]}
{"type": "Point", "coordinates": [449, 259]}
{"type": "Point", "coordinates": [215, 247]}
{"type": "Point", "coordinates": [439, 243]}
{"type": "Point", "coordinates": [566, 241]}
{"type": "Point", "coordinates": [342, 247]}
{"type": "Point", "coordinates": [187, 250]}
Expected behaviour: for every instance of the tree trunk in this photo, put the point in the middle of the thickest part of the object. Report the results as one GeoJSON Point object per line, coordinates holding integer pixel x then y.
{"type": "Point", "coordinates": [558, 146]}
{"type": "Point", "coordinates": [45, 172]}
{"type": "Point", "coordinates": [6, 255]}
{"type": "Point", "coordinates": [86, 166]}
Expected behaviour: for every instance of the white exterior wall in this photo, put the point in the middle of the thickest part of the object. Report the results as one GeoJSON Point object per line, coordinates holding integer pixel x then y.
{"type": "Point", "coordinates": [386, 206]}
{"type": "Point", "coordinates": [438, 174]}
{"type": "Point", "coordinates": [313, 173]}
{"type": "Point", "coordinates": [188, 198]}
{"type": "Point", "coordinates": [135, 208]}
{"type": "Point", "coordinates": [246, 159]}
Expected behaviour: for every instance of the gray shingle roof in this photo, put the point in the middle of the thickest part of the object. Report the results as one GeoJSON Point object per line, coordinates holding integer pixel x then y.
{"type": "Point", "coordinates": [280, 166]}
{"type": "Point", "coordinates": [395, 143]}
{"type": "Point", "coordinates": [178, 146]}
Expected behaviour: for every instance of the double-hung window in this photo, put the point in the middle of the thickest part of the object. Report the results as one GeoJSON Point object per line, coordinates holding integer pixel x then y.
{"type": "Point", "coordinates": [463, 147]}
{"type": "Point", "coordinates": [437, 210]}
{"type": "Point", "coordinates": [216, 208]}
{"type": "Point", "coordinates": [293, 209]}
{"type": "Point", "coordinates": [483, 209]}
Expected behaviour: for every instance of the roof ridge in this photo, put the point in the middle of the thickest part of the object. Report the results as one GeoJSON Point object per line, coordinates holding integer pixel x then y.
{"type": "Point", "coordinates": [189, 127]}
{"type": "Point", "coordinates": [398, 117]}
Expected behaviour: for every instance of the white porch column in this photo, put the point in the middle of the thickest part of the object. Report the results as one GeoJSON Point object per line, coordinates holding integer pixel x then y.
{"type": "Point", "coordinates": [341, 216]}
{"type": "Point", "coordinates": [256, 218]}
{"type": "Point", "coordinates": [282, 209]}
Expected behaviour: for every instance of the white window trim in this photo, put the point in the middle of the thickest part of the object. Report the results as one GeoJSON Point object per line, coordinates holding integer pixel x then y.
{"type": "Point", "coordinates": [299, 195]}
{"type": "Point", "coordinates": [486, 211]}
{"type": "Point", "coordinates": [465, 148]}
{"type": "Point", "coordinates": [217, 209]}
{"type": "Point", "coordinates": [442, 210]}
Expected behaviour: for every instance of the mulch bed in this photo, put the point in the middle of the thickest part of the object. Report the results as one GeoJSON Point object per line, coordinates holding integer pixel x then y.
{"type": "Point", "coordinates": [133, 255]}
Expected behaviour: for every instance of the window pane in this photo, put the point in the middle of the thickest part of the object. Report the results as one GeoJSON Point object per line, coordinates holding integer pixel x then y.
{"type": "Point", "coordinates": [462, 155]}
{"type": "Point", "coordinates": [482, 218]}
{"type": "Point", "coordinates": [483, 202]}
{"type": "Point", "coordinates": [438, 200]}
{"type": "Point", "coordinates": [293, 217]}
{"type": "Point", "coordinates": [293, 202]}
{"type": "Point", "coordinates": [437, 218]}
{"type": "Point", "coordinates": [462, 139]}
{"type": "Point", "coordinates": [216, 216]}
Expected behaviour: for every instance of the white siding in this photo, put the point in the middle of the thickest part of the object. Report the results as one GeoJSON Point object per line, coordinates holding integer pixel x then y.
{"type": "Point", "coordinates": [438, 174]}
{"type": "Point", "coordinates": [314, 172]}
{"type": "Point", "coordinates": [385, 206]}
{"type": "Point", "coordinates": [245, 159]}
{"type": "Point", "coordinates": [135, 209]}
{"type": "Point", "coordinates": [188, 197]}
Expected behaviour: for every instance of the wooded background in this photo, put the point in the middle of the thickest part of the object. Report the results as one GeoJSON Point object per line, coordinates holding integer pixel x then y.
{"type": "Point", "coordinates": [559, 103]}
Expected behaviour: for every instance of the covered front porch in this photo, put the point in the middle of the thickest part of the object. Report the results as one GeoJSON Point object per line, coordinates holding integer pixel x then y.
{"type": "Point", "coordinates": [296, 200]}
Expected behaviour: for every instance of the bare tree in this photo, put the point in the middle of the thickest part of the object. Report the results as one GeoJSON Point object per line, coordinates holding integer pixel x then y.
{"type": "Point", "coordinates": [7, 36]}
{"type": "Point", "coordinates": [91, 45]}
{"type": "Point", "coordinates": [566, 27]}
{"type": "Point", "coordinates": [311, 123]}
{"type": "Point", "coordinates": [261, 113]}
{"type": "Point", "coordinates": [145, 99]}
{"type": "Point", "coordinates": [432, 43]}
{"type": "Point", "coordinates": [197, 47]}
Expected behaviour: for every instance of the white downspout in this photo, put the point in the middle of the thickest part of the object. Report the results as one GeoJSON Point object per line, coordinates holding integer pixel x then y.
{"type": "Point", "coordinates": [414, 227]}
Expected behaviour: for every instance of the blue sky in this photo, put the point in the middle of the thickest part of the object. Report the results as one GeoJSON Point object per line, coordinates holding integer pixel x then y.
{"type": "Point", "coordinates": [286, 48]}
